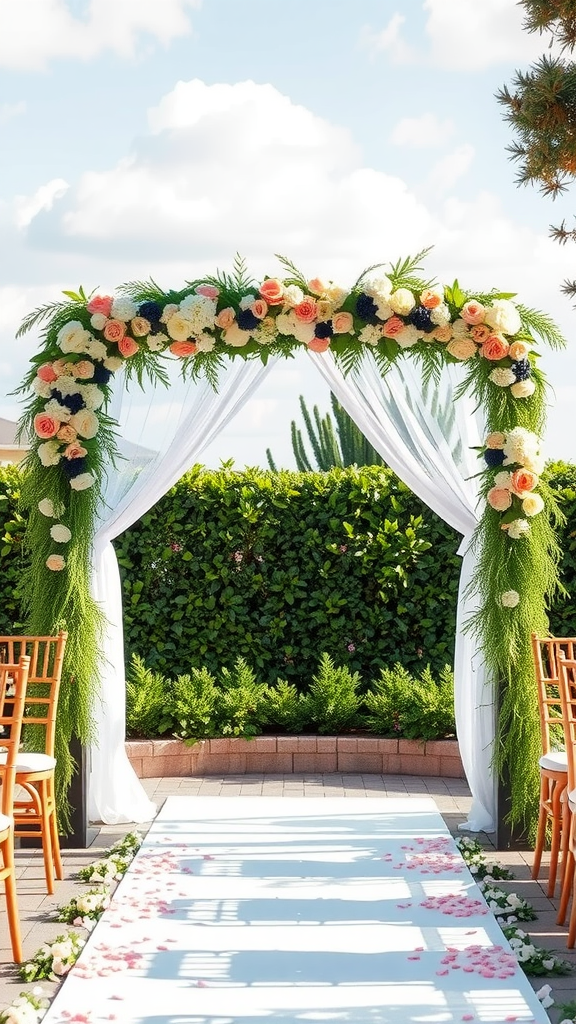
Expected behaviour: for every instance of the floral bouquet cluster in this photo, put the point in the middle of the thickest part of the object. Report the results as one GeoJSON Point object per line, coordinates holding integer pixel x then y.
{"type": "Point", "coordinates": [507, 907]}
{"type": "Point", "coordinates": [115, 863]}
{"type": "Point", "coordinates": [27, 1008]}
{"type": "Point", "coordinates": [533, 959]}
{"type": "Point", "coordinates": [474, 856]}
{"type": "Point", "coordinates": [84, 911]}
{"type": "Point", "coordinates": [53, 959]}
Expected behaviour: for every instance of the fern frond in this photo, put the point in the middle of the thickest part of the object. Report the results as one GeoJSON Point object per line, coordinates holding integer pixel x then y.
{"type": "Point", "coordinates": [404, 273]}
{"type": "Point", "coordinates": [364, 275]}
{"type": "Point", "coordinates": [296, 276]}
{"type": "Point", "coordinates": [543, 325]}
{"type": "Point", "coordinates": [51, 310]}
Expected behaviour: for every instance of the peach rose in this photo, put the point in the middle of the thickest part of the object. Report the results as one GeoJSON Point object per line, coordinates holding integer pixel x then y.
{"type": "Point", "coordinates": [522, 481]}
{"type": "Point", "coordinates": [343, 323]}
{"type": "Point", "coordinates": [100, 304]}
{"type": "Point", "coordinates": [63, 367]}
{"type": "Point", "coordinates": [523, 388]}
{"type": "Point", "coordinates": [462, 348]}
{"type": "Point", "coordinates": [495, 348]}
{"type": "Point", "coordinates": [225, 318]}
{"type": "Point", "coordinates": [46, 426]}
{"type": "Point", "coordinates": [495, 440]}
{"type": "Point", "coordinates": [84, 370]}
{"type": "Point", "coordinates": [306, 311]}
{"type": "Point", "coordinates": [518, 350]}
{"type": "Point", "coordinates": [532, 504]}
{"type": "Point", "coordinates": [272, 291]}
{"type": "Point", "coordinates": [55, 562]}
{"type": "Point", "coordinates": [431, 298]}
{"type": "Point", "coordinates": [442, 334]}
{"type": "Point", "coordinates": [67, 434]}
{"type": "Point", "coordinates": [236, 337]}
{"type": "Point", "coordinates": [128, 347]}
{"type": "Point", "coordinates": [140, 326]}
{"type": "Point", "coordinates": [499, 498]}
{"type": "Point", "coordinates": [392, 327]}
{"type": "Point", "coordinates": [46, 373]}
{"type": "Point", "coordinates": [472, 312]}
{"type": "Point", "coordinates": [319, 344]}
{"type": "Point", "coordinates": [114, 330]}
{"type": "Point", "coordinates": [209, 291]}
{"type": "Point", "coordinates": [259, 308]}
{"type": "Point", "coordinates": [480, 333]}
{"type": "Point", "coordinates": [183, 348]}
{"type": "Point", "coordinates": [316, 286]}
{"type": "Point", "coordinates": [75, 451]}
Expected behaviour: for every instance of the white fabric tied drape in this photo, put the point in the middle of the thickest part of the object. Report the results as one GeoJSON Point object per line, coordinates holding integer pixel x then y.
{"type": "Point", "coordinates": [393, 414]}
{"type": "Point", "coordinates": [115, 793]}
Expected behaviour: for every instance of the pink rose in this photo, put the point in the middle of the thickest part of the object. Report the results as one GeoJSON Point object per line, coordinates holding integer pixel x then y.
{"type": "Point", "coordinates": [66, 433]}
{"type": "Point", "coordinates": [316, 286]}
{"type": "Point", "coordinates": [430, 299]}
{"type": "Point", "coordinates": [225, 318]}
{"type": "Point", "coordinates": [392, 327]}
{"type": "Point", "coordinates": [75, 451]}
{"type": "Point", "coordinates": [46, 373]}
{"type": "Point", "coordinates": [208, 290]}
{"type": "Point", "coordinates": [319, 344]}
{"type": "Point", "coordinates": [46, 426]}
{"type": "Point", "coordinates": [127, 346]}
{"type": "Point", "coordinates": [495, 348]}
{"type": "Point", "coordinates": [499, 498]}
{"type": "Point", "coordinates": [306, 311]}
{"type": "Point", "coordinates": [259, 308]}
{"type": "Point", "coordinates": [472, 312]}
{"type": "Point", "coordinates": [343, 323]}
{"type": "Point", "coordinates": [183, 348]}
{"type": "Point", "coordinates": [100, 304]}
{"type": "Point", "coordinates": [480, 333]}
{"type": "Point", "coordinates": [272, 291]}
{"type": "Point", "coordinates": [114, 330]}
{"type": "Point", "coordinates": [523, 481]}
{"type": "Point", "coordinates": [84, 369]}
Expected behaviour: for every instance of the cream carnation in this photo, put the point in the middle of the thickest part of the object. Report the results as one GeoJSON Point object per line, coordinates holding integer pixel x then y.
{"type": "Point", "coordinates": [518, 528]}
{"type": "Point", "coordinates": [113, 363]}
{"type": "Point", "coordinates": [523, 388]}
{"type": "Point", "coordinates": [285, 323]}
{"type": "Point", "coordinates": [441, 315]}
{"type": "Point", "coordinates": [98, 321]}
{"type": "Point", "coordinates": [510, 598]}
{"type": "Point", "coordinates": [335, 294]}
{"type": "Point", "coordinates": [293, 295]}
{"type": "Point", "coordinates": [68, 386]}
{"type": "Point", "coordinates": [93, 396]}
{"type": "Point", "coordinates": [402, 301]}
{"type": "Point", "coordinates": [503, 316]}
{"type": "Point", "coordinates": [408, 337]}
{"type": "Point", "coordinates": [46, 507]}
{"type": "Point", "coordinates": [502, 377]}
{"type": "Point", "coordinates": [60, 533]}
{"type": "Point", "coordinates": [169, 309]}
{"type": "Point", "coordinates": [82, 482]}
{"type": "Point", "coordinates": [495, 440]}
{"type": "Point", "coordinates": [370, 335]}
{"type": "Point", "coordinates": [503, 480]}
{"type": "Point", "coordinates": [460, 328]}
{"type": "Point", "coordinates": [41, 388]}
{"type": "Point", "coordinates": [123, 309]}
{"type": "Point", "coordinates": [156, 342]}
{"type": "Point", "coordinates": [49, 453]}
{"type": "Point", "coordinates": [520, 444]}
{"type": "Point", "coordinates": [205, 343]}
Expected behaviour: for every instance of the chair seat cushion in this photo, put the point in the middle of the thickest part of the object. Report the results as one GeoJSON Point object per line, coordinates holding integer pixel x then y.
{"type": "Point", "coordinates": [572, 800]}
{"type": "Point", "coordinates": [5, 822]}
{"type": "Point", "coordinates": [555, 761]}
{"type": "Point", "coordinates": [30, 762]}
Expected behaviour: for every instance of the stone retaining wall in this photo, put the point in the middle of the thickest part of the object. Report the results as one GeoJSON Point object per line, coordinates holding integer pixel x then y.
{"type": "Point", "coordinates": [286, 754]}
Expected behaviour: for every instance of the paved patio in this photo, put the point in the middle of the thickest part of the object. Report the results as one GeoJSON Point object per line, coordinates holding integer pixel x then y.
{"type": "Point", "coordinates": [452, 798]}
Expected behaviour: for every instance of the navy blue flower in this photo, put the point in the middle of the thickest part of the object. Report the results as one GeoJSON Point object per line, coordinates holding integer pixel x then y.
{"type": "Point", "coordinates": [494, 457]}
{"type": "Point", "coordinates": [366, 309]}
{"type": "Point", "coordinates": [74, 467]}
{"type": "Point", "coordinates": [151, 311]}
{"type": "Point", "coordinates": [323, 329]}
{"type": "Point", "coordinates": [420, 317]}
{"type": "Point", "coordinates": [101, 375]}
{"type": "Point", "coordinates": [521, 369]}
{"type": "Point", "coordinates": [72, 402]}
{"type": "Point", "coordinates": [246, 320]}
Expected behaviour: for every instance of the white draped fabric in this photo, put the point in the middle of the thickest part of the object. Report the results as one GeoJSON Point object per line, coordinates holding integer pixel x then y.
{"type": "Point", "coordinates": [115, 793]}
{"type": "Point", "coordinates": [395, 417]}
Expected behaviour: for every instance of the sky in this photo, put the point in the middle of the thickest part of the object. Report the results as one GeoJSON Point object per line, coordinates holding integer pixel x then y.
{"type": "Point", "coordinates": [162, 137]}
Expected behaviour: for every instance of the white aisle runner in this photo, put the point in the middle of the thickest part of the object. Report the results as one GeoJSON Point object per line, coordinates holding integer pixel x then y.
{"type": "Point", "coordinates": [275, 911]}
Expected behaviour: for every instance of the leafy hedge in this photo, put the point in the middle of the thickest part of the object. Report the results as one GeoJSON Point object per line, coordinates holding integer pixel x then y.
{"type": "Point", "coordinates": [279, 568]}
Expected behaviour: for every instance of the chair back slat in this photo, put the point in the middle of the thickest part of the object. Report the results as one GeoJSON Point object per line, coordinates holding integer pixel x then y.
{"type": "Point", "coordinates": [13, 683]}
{"type": "Point", "coordinates": [546, 652]}
{"type": "Point", "coordinates": [46, 655]}
{"type": "Point", "coordinates": [567, 674]}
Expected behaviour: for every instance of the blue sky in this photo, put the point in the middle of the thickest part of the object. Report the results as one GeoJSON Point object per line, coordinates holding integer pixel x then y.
{"type": "Point", "coordinates": [163, 136]}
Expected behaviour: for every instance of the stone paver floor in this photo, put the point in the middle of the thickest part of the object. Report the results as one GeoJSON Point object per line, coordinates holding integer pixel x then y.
{"type": "Point", "coordinates": [451, 795]}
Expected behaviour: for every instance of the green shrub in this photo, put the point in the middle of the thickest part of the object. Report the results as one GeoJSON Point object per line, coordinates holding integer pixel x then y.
{"type": "Point", "coordinates": [196, 700]}
{"type": "Point", "coordinates": [285, 708]}
{"type": "Point", "coordinates": [148, 701]}
{"type": "Point", "coordinates": [332, 703]}
{"type": "Point", "coordinates": [415, 708]}
{"type": "Point", "coordinates": [241, 701]}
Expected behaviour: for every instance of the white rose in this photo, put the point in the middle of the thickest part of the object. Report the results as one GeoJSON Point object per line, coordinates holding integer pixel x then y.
{"type": "Point", "coordinates": [378, 287]}
{"type": "Point", "coordinates": [85, 423]}
{"type": "Point", "coordinates": [49, 453]}
{"type": "Point", "coordinates": [82, 482]}
{"type": "Point", "coordinates": [60, 533]}
{"type": "Point", "coordinates": [532, 504]}
{"type": "Point", "coordinates": [123, 309]}
{"type": "Point", "coordinates": [402, 301]}
{"type": "Point", "coordinates": [73, 337]}
{"type": "Point", "coordinates": [503, 316]}
{"type": "Point", "coordinates": [523, 388]}
{"type": "Point", "coordinates": [293, 295]}
{"type": "Point", "coordinates": [303, 332]}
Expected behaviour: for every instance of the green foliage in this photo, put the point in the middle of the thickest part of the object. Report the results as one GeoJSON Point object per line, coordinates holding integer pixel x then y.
{"type": "Point", "coordinates": [147, 701]}
{"type": "Point", "coordinates": [343, 446]}
{"type": "Point", "coordinates": [333, 703]}
{"type": "Point", "coordinates": [285, 708]}
{"type": "Point", "coordinates": [402, 705]}
{"type": "Point", "coordinates": [12, 558]}
{"type": "Point", "coordinates": [243, 700]}
{"type": "Point", "coordinates": [195, 704]}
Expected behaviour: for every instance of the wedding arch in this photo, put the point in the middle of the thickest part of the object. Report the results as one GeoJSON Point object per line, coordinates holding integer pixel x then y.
{"type": "Point", "coordinates": [359, 338]}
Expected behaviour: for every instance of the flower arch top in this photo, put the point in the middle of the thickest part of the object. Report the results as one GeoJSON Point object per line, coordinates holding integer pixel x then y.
{"type": "Point", "coordinates": [386, 315]}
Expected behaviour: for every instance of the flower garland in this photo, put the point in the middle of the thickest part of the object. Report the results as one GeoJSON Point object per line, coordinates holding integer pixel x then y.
{"type": "Point", "coordinates": [27, 1008]}
{"type": "Point", "coordinates": [87, 340]}
{"type": "Point", "coordinates": [54, 959]}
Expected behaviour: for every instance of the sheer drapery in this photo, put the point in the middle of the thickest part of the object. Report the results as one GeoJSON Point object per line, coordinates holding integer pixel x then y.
{"type": "Point", "coordinates": [396, 417]}
{"type": "Point", "coordinates": [115, 793]}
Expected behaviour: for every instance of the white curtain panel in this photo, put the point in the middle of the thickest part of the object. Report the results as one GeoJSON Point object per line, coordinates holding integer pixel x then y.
{"type": "Point", "coordinates": [396, 416]}
{"type": "Point", "coordinates": [115, 794]}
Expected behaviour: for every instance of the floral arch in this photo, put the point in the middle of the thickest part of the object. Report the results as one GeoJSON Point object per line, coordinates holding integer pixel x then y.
{"type": "Point", "coordinates": [385, 317]}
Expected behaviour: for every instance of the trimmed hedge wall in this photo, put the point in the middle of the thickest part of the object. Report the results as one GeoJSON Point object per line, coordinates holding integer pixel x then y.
{"type": "Point", "coordinates": [280, 567]}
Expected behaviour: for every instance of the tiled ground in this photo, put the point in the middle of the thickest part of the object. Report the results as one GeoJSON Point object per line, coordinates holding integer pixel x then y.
{"type": "Point", "coordinates": [452, 798]}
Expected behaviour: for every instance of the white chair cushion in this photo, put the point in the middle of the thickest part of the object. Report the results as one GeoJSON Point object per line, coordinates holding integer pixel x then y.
{"type": "Point", "coordinates": [555, 761]}
{"type": "Point", "coordinates": [5, 822]}
{"type": "Point", "coordinates": [30, 762]}
{"type": "Point", "coordinates": [572, 800]}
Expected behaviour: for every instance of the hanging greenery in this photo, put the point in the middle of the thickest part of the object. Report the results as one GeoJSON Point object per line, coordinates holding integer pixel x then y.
{"type": "Point", "coordinates": [386, 315]}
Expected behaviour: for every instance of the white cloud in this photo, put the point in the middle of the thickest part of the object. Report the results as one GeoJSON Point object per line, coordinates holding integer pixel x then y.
{"type": "Point", "coordinates": [10, 110]}
{"type": "Point", "coordinates": [426, 130]}
{"type": "Point", "coordinates": [468, 35]}
{"type": "Point", "coordinates": [38, 31]}
{"type": "Point", "coordinates": [389, 40]}
{"type": "Point", "coordinates": [447, 171]}
{"type": "Point", "coordinates": [27, 207]}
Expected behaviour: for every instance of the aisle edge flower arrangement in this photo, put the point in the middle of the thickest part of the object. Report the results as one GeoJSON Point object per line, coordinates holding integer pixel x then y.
{"type": "Point", "coordinates": [88, 339]}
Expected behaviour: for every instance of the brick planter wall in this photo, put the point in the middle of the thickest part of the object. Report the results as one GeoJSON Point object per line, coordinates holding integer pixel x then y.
{"type": "Point", "coordinates": [285, 754]}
